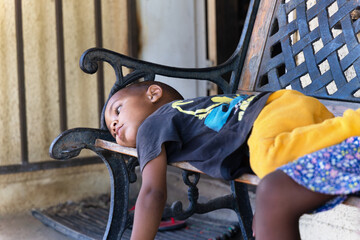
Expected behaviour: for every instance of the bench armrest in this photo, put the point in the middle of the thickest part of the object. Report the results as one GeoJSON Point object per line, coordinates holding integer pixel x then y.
{"type": "Point", "coordinates": [70, 142]}
{"type": "Point", "coordinates": [90, 58]}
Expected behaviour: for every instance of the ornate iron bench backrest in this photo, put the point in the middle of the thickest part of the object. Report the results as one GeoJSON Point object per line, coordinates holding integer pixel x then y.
{"type": "Point", "coordinates": [310, 46]}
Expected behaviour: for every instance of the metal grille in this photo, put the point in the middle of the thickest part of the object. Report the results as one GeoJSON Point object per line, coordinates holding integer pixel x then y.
{"type": "Point", "coordinates": [87, 220]}
{"type": "Point", "coordinates": [297, 58]}
{"type": "Point", "coordinates": [26, 165]}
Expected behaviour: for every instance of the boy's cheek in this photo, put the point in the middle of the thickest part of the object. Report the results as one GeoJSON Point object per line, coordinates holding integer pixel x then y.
{"type": "Point", "coordinates": [126, 141]}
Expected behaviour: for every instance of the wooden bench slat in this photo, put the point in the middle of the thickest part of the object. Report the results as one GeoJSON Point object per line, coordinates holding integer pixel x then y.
{"type": "Point", "coordinates": [245, 178]}
{"type": "Point", "coordinates": [115, 147]}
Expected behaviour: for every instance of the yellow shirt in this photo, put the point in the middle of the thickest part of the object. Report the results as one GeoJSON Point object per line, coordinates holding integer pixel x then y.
{"type": "Point", "coordinates": [292, 125]}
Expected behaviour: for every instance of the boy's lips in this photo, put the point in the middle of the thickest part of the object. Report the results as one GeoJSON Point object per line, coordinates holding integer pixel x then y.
{"type": "Point", "coordinates": [118, 131]}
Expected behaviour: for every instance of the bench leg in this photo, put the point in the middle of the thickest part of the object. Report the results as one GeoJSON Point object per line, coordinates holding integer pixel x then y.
{"type": "Point", "coordinates": [243, 209]}
{"type": "Point", "coordinates": [119, 179]}
{"type": "Point", "coordinates": [70, 143]}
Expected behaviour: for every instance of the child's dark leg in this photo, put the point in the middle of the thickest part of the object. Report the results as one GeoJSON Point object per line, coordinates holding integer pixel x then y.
{"type": "Point", "coordinates": [280, 202]}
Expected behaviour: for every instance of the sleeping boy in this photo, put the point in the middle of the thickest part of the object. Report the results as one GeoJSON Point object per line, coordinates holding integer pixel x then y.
{"type": "Point", "coordinates": [224, 136]}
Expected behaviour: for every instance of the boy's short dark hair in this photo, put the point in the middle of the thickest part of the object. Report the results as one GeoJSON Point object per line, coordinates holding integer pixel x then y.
{"type": "Point", "coordinates": [172, 93]}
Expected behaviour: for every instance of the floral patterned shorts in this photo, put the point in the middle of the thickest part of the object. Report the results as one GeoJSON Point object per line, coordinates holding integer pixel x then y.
{"type": "Point", "coordinates": [334, 170]}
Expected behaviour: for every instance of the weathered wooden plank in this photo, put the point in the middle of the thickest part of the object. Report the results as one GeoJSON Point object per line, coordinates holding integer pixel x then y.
{"type": "Point", "coordinates": [338, 108]}
{"type": "Point", "coordinates": [115, 147]}
{"type": "Point", "coordinates": [257, 45]}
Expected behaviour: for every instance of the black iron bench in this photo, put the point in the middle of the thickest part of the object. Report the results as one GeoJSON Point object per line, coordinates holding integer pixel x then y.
{"type": "Point", "coordinates": [309, 46]}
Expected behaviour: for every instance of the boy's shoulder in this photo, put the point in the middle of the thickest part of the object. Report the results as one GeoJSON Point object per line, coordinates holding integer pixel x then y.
{"type": "Point", "coordinates": [206, 100]}
{"type": "Point", "coordinates": [198, 107]}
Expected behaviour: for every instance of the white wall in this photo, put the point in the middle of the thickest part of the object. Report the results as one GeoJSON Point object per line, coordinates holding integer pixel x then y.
{"type": "Point", "coordinates": [172, 33]}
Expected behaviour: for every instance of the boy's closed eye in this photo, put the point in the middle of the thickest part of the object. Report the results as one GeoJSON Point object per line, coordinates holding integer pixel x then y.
{"type": "Point", "coordinates": [118, 109]}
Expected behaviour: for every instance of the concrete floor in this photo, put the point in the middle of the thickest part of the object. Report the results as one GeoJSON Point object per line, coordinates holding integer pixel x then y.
{"type": "Point", "coordinates": [341, 222]}
{"type": "Point", "coordinates": [26, 227]}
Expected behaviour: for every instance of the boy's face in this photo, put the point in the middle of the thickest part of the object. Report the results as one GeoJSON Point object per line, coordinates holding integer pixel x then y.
{"type": "Point", "coordinates": [124, 113]}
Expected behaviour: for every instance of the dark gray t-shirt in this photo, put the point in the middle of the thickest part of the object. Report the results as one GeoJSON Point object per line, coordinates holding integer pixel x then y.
{"type": "Point", "coordinates": [208, 132]}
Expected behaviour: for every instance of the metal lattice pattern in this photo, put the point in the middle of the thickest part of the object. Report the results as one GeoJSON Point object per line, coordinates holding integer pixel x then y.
{"type": "Point", "coordinates": [313, 47]}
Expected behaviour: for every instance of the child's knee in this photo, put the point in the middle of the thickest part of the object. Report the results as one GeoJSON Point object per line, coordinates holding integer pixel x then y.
{"type": "Point", "coordinates": [272, 190]}
{"type": "Point", "coordinates": [268, 188]}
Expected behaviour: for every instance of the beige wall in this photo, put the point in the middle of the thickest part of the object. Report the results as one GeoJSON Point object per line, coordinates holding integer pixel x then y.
{"type": "Point", "coordinates": [9, 122]}
{"type": "Point", "coordinates": [42, 100]}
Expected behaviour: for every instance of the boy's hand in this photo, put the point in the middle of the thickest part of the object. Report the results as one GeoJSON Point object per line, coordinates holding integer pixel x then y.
{"type": "Point", "coordinates": [151, 200]}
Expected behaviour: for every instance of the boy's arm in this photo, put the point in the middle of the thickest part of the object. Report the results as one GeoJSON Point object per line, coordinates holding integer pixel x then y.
{"type": "Point", "coordinates": [151, 200]}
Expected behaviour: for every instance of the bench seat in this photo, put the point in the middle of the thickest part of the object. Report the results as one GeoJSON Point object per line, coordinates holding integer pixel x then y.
{"type": "Point", "coordinates": [245, 178]}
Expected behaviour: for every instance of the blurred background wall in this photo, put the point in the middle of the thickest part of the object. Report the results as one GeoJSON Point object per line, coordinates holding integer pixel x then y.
{"type": "Point", "coordinates": [30, 96]}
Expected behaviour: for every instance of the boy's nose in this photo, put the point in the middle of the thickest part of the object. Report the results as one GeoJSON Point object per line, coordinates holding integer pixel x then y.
{"type": "Point", "coordinates": [113, 126]}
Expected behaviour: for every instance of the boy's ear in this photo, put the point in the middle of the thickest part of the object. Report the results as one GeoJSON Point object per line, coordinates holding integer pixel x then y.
{"type": "Point", "coordinates": [154, 93]}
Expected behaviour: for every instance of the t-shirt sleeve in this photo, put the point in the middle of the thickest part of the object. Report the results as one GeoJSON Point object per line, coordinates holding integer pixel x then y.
{"type": "Point", "coordinates": [153, 132]}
